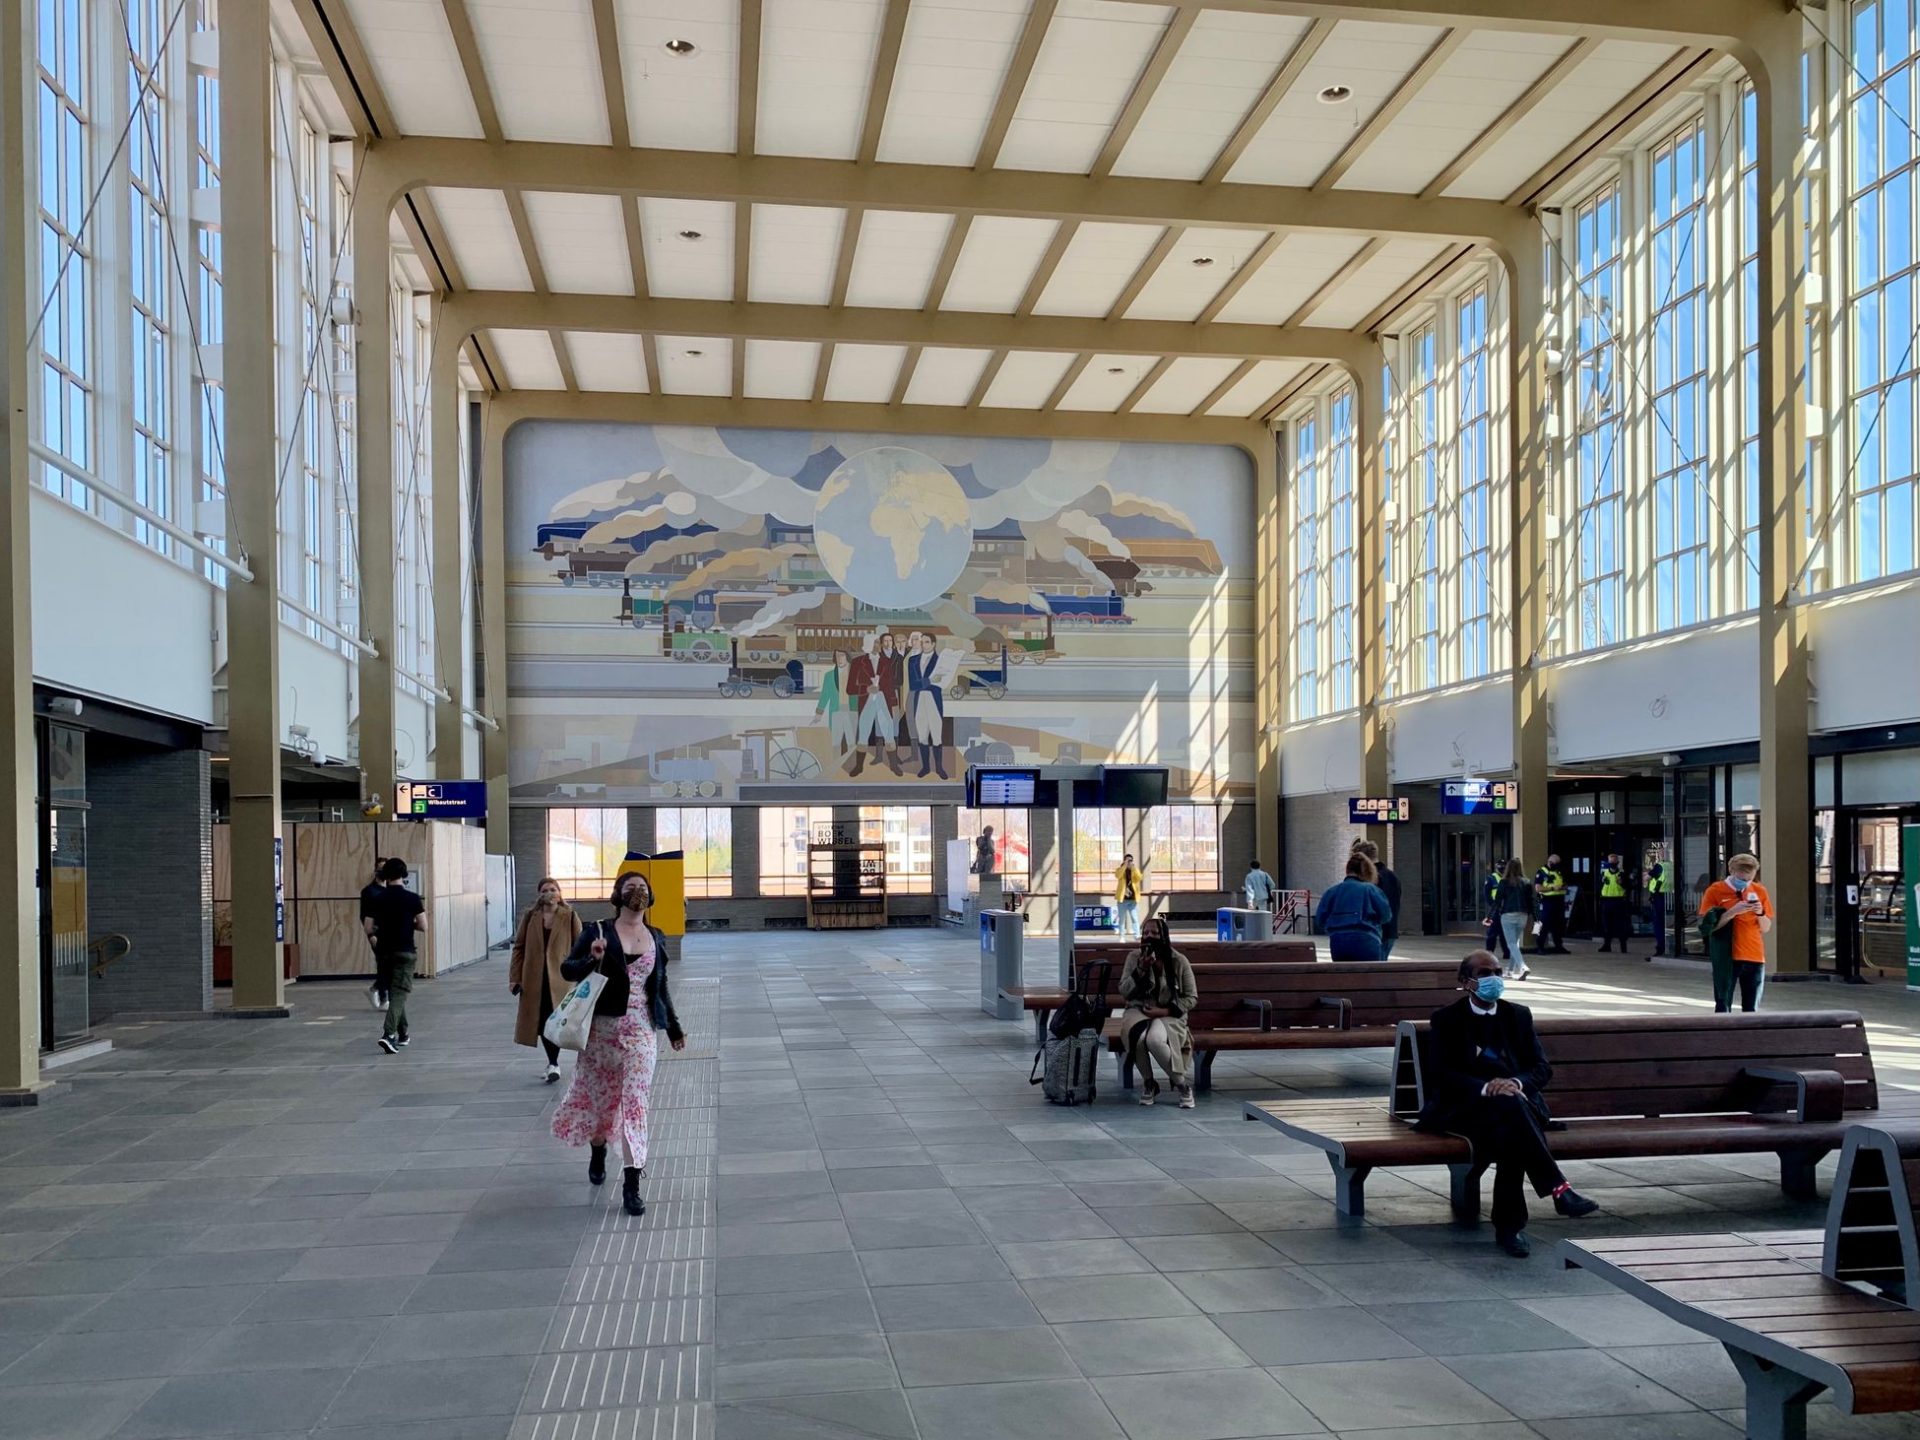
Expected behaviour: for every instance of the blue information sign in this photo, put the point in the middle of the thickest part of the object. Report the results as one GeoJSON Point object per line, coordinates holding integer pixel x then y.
{"type": "Point", "coordinates": [1379, 810]}
{"type": "Point", "coordinates": [1092, 917]}
{"type": "Point", "coordinates": [441, 800]}
{"type": "Point", "coordinates": [1479, 797]}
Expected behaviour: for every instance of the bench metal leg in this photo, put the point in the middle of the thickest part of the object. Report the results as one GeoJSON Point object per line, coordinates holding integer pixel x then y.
{"type": "Point", "coordinates": [1349, 1186]}
{"type": "Point", "coordinates": [1776, 1398]}
{"type": "Point", "coordinates": [1796, 1172]}
{"type": "Point", "coordinates": [1465, 1185]}
{"type": "Point", "coordinates": [1203, 1070]}
{"type": "Point", "coordinates": [1125, 1062]}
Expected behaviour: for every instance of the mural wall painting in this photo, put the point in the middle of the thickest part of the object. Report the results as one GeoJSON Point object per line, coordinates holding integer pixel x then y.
{"type": "Point", "coordinates": [699, 615]}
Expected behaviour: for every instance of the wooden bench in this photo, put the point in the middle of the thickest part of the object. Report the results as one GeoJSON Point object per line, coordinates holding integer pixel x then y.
{"type": "Point", "coordinates": [1344, 1005]}
{"type": "Point", "coordinates": [1627, 1086]}
{"type": "Point", "coordinates": [1042, 1000]}
{"type": "Point", "coordinates": [1800, 1312]}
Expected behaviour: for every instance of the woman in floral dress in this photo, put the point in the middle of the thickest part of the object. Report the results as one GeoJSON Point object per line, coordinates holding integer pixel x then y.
{"type": "Point", "coordinates": [613, 1079]}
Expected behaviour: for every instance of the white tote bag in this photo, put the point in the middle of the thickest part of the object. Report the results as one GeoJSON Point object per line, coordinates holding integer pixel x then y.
{"type": "Point", "coordinates": [572, 1017]}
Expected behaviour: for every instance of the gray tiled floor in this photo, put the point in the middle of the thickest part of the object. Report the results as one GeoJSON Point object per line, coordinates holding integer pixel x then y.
{"type": "Point", "coordinates": [864, 1222]}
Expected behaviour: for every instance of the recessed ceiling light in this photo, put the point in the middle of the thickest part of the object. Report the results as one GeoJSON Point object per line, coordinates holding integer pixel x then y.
{"type": "Point", "coordinates": [695, 354]}
{"type": "Point", "coordinates": [1203, 259]}
{"type": "Point", "coordinates": [680, 49]}
{"type": "Point", "coordinates": [1116, 369]}
{"type": "Point", "coordinates": [1335, 95]}
{"type": "Point", "coordinates": [691, 235]}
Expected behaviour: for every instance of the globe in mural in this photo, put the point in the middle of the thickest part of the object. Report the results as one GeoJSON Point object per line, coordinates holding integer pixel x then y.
{"type": "Point", "coordinates": [893, 527]}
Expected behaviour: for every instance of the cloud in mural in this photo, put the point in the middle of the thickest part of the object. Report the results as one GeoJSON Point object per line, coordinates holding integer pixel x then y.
{"type": "Point", "coordinates": [784, 607]}
{"type": "Point", "coordinates": [893, 527]}
{"type": "Point", "coordinates": [1009, 593]}
{"type": "Point", "coordinates": [700, 460]}
{"type": "Point", "coordinates": [625, 493]}
{"type": "Point", "coordinates": [626, 525]}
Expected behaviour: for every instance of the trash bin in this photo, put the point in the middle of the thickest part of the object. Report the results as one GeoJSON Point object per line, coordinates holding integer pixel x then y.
{"type": "Point", "coordinates": [1002, 949]}
{"type": "Point", "coordinates": [1236, 924]}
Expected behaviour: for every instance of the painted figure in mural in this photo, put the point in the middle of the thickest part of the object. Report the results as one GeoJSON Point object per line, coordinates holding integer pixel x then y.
{"type": "Point", "coordinates": [865, 688]}
{"type": "Point", "coordinates": [838, 706]}
{"type": "Point", "coordinates": [890, 673]}
{"type": "Point", "coordinates": [926, 711]}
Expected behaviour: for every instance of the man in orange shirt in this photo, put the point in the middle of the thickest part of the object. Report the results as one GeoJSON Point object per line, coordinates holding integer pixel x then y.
{"type": "Point", "coordinates": [1746, 911]}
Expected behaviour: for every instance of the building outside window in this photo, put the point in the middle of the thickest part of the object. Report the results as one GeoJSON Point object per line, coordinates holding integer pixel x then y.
{"type": "Point", "coordinates": [907, 832]}
{"type": "Point", "coordinates": [784, 830]}
{"type": "Point", "coordinates": [704, 834]}
{"type": "Point", "coordinates": [1183, 841]}
{"type": "Point", "coordinates": [585, 848]}
{"type": "Point", "coordinates": [63, 52]}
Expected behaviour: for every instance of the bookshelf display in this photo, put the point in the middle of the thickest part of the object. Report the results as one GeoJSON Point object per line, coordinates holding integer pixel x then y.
{"type": "Point", "coordinates": [846, 878]}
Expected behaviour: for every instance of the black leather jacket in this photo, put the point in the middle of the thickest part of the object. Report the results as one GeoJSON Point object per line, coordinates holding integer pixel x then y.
{"type": "Point", "coordinates": [618, 993]}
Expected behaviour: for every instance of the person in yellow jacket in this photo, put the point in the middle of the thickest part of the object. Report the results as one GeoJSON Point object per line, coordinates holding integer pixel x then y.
{"type": "Point", "coordinates": [1616, 920]}
{"type": "Point", "coordinates": [1550, 887]}
{"type": "Point", "coordinates": [1128, 887]}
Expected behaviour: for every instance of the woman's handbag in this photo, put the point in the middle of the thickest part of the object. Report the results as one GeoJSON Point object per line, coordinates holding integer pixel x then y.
{"type": "Point", "coordinates": [572, 1018]}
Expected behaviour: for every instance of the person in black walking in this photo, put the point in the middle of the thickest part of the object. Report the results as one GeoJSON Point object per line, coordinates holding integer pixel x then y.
{"type": "Point", "coordinates": [376, 992]}
{"type": "Point", "coordinates": [395, 918]}
{"type": "Point", "coordinates": [1484, 1076]}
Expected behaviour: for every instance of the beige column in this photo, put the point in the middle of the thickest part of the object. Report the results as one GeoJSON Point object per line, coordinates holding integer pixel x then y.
{"type": "Point", "coordinates": [253, 620]}
{"type": "Point", "coordinates": [1786, 840]}
{"type": "Point", "coordinates": [493, 625]}
{"type": "Point", "coordinates": [19, 784]}
{"type": "Point", "coordinates": [1528, 580]}
{"type": "Point", "coordinates": [373, 463]}
{"type": "Point", "coordinates": [1369, 589]}
{"type": "Point", "coordinates": [445, 416]}
{"type": "Point", "coordinates": [1272, 557]}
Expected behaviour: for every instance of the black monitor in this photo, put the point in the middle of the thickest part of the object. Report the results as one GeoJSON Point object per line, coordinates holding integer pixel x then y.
{"type": "Point", "coordinates": [1133, 787]}
{"type": "Point", "coordinates": [1011, 787]}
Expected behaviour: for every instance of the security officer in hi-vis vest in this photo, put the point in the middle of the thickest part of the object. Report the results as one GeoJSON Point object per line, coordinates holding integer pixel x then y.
{"type": "Point", "coordinates": [1657, 903]}
{"type": "Point", "coordinates": [1615, 918]}
{"type": "Point", "coordinates": [1551, 886]}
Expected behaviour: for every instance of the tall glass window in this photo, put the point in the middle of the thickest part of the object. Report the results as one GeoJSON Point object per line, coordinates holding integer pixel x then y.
{"type": "Point", "coordinates": [584, 850]}
{"type": "Point", "coordinates": [1747, 586]}
{"type": "Point", "coordinates": [1322, 496]}
{"type": "Point", "coordinates": [1183, 843]}
{"type": "Point", "coordinates": [63, 51]}
{"type": "Point", "coordinates": [704, 834]}
{"type": "Point", "coordinates": [784, 832]}
{"type": "Point", "coordinates": [1879, 497]}
{"type": "Point", "coordinates": [1598, 521]}
{"type": "Point", "coordinates": [152, 286]}
{"type": "Point", "coordinates": [1424, 500]}
{"type": "Point", "coordinates": [1305, 490]}
{"type": "Point", "coordinates": [1342, 557]}
{"type": "Point", "coordinates": [907, 832]}
{"type": "Point", "coordinates": [1012, 843]}
{"type": "Point", "coordinates": [209, 309]}
{"type": "Point", "coordinates": [1474, 481]}
{"type": "Point", "coordinates": [1680, 252]}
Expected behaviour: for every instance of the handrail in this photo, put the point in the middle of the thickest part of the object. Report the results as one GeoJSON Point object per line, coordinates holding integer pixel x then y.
{"type": "Point", "coordinates": [97, 948]}
{"type": "Point", "coordinates": [365, 647]}
{"type": "Point", "coordinates": [126, 502]}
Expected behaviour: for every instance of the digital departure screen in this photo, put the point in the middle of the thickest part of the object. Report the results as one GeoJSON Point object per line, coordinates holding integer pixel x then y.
{"type": "Point", "coordinates": [1013, 789]}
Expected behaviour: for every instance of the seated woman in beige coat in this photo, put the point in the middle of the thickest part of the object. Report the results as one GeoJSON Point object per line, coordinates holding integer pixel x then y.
{"type": "Point", "coordinates": [545, 938]}
{"type": "Point", "coordinates": [1158, 990]}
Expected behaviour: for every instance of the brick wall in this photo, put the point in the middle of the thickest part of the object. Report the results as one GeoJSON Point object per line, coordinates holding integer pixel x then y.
{"type": "Point", "coordinates": [527, 843]}
{"type": "Point", "coordinates": [150, 877]}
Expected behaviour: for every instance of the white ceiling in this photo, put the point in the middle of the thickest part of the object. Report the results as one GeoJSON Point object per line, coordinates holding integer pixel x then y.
{"type": "Point", "coordinates": [816, 79]}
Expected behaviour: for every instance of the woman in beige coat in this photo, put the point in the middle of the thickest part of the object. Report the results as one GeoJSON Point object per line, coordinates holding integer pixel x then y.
{"type": "Point", "coordinates": [1158, 989]}
{"type": "Point", "coordinates": [545, 938]}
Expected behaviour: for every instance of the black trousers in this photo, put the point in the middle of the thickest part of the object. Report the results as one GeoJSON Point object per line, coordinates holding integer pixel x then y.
{"type": "Point", "coordinates": [1553, 922]}
{"type": "Point", "coordinates": [1747, 980]}
{"type": "Point", "coordinates": [1506, 1134]}
{"type": "Point", "coordinates": [1658, 904]}
{"type": "Point", "coordinates": [546, 1009]}
{"type": "Point", "coordinates": [1614, 923]}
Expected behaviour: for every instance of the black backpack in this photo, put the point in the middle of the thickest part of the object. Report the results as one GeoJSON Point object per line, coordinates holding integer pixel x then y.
{"type": "Point", "coordinates": [1085, 1005]}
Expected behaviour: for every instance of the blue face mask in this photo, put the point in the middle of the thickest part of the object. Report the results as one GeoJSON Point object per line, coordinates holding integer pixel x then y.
{"type": "Point", "coordinates": [1488, 988]}
{"type": "Point", "coordinates": [1738, 883]}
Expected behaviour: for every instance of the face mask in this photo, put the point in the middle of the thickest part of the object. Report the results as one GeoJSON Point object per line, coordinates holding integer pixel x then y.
{"type": "Point", "coordinates": [1738, 882]}
{"type": "Point", "coordinates": [1488, 988]}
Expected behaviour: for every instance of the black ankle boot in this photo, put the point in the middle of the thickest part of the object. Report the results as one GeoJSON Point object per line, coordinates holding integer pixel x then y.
{"type": "Point", "coordinates": [596, 1163]}
{"type": "Point", "coordinates": [630, 1192]}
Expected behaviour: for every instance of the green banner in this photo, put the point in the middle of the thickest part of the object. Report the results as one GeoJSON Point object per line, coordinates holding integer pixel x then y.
{"type": "Point", "coordinates": [1910, 882]}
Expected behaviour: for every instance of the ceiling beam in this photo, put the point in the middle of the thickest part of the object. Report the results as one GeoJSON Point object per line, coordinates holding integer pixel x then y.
{"type": "Point", "coordinates": [1714, 22]}
{"type": "Point", "coordinates": [742, 284]}
{"type": "Point", "coordinates": [987, 377]}
{"type": "Point", "coordinates": [1014, 84]}
{"type": "Point", "coordinates": [909, 363]}
{"type": "Point", "coordinates": [1144, 89]}
{"type": "Point", "coordinates": [1550, 79]}
{"type": "Point", "coordinates": [1379, 122]}
{"type": "Point", "coordinates": [1349, 268]}
{"type": "Point", "coordinates": [1282, 80]}
{"type": "Point", "coordinates": [746, 130]}
{"type": "Point", "coordinates": [397, 166]}
{"type": "Point", "coordinates": [1678, 71]}
{"type": "Point", "coordinates": [1066, 383]}
{"type": "Point", "coordinates": [1237, 281]}
{"type": "Point", "coordinates": [864, 325]}
{"type": "Point", "coordinates": [1147, 382]}
{"type": "Point", "coordinates": [523, 405]}
{"type": "Point", "coordinates": [564, 357]}
{"type": "Point", "coordinates": [949, 258]}
{"type": "Point", "coordinates": [1283, 397]}
{"type": "Point", "coordinates": [1429, 274]}
{"type": "Point", "coordinates": [1049, 265]}
{"type": "Point", "coordinates": [1220, 391]}
{"type": "Point", "coordinates": [613, 79]}
{"type": "Point", "coordinates": [468, 45]}
{"type": "Point", "coordinates": [886, 63]}
{"type": "Point", "coordinates": [1148, 268]}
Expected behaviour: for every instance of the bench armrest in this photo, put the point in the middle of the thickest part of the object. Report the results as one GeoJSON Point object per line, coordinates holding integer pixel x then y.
{"type": "Point", "coordinates": [1344, 1020]}
{"type": "Point", "coordinates": [1265, 1007]}
{"type": "Point", "coordinates": [1819, 1095]}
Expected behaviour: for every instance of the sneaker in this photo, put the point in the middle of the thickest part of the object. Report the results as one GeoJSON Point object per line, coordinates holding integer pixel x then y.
{"type": "Point", "coordinates": [1185, 1092]}
{"type": "Point", "coordinates": [385, 1042]}
{"type": "Point", "coordinates": [1573, 1204]}
{"type": "Point", "coordinates": [1514, 1242]}
{"type": "Point", "coordinates": [375, 998]}
{"type": "Point", "coordinates": [402, 1040]}
{"type": "Point", "coordinates": [553, 1073]}
{"type": "Point", "coordinates": [1148, 1090]}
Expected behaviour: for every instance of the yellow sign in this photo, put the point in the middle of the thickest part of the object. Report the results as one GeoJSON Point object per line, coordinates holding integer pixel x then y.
{"type": "Point", "coordinates": [666, 876]}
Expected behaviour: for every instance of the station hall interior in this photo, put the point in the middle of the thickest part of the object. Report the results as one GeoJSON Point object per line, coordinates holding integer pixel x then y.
{"type": "Point", "coordinates": [747, 441]}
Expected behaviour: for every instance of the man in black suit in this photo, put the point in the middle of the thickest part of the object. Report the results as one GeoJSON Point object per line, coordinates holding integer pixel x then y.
{"type": "Point", "coordinates": [1483, 1076]}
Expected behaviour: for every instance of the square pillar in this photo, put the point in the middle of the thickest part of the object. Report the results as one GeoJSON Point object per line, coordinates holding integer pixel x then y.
{"type": "Point", "coordinates": [1531, 477]}
{"type": "Point", "coordinates": [491, 695]}
{"type": "Point", "coordinates": [746, 851]}
{"type": "Point", "coordinates": [449, 599]}
{"type": "Point", "coordinates": [374, 487]}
